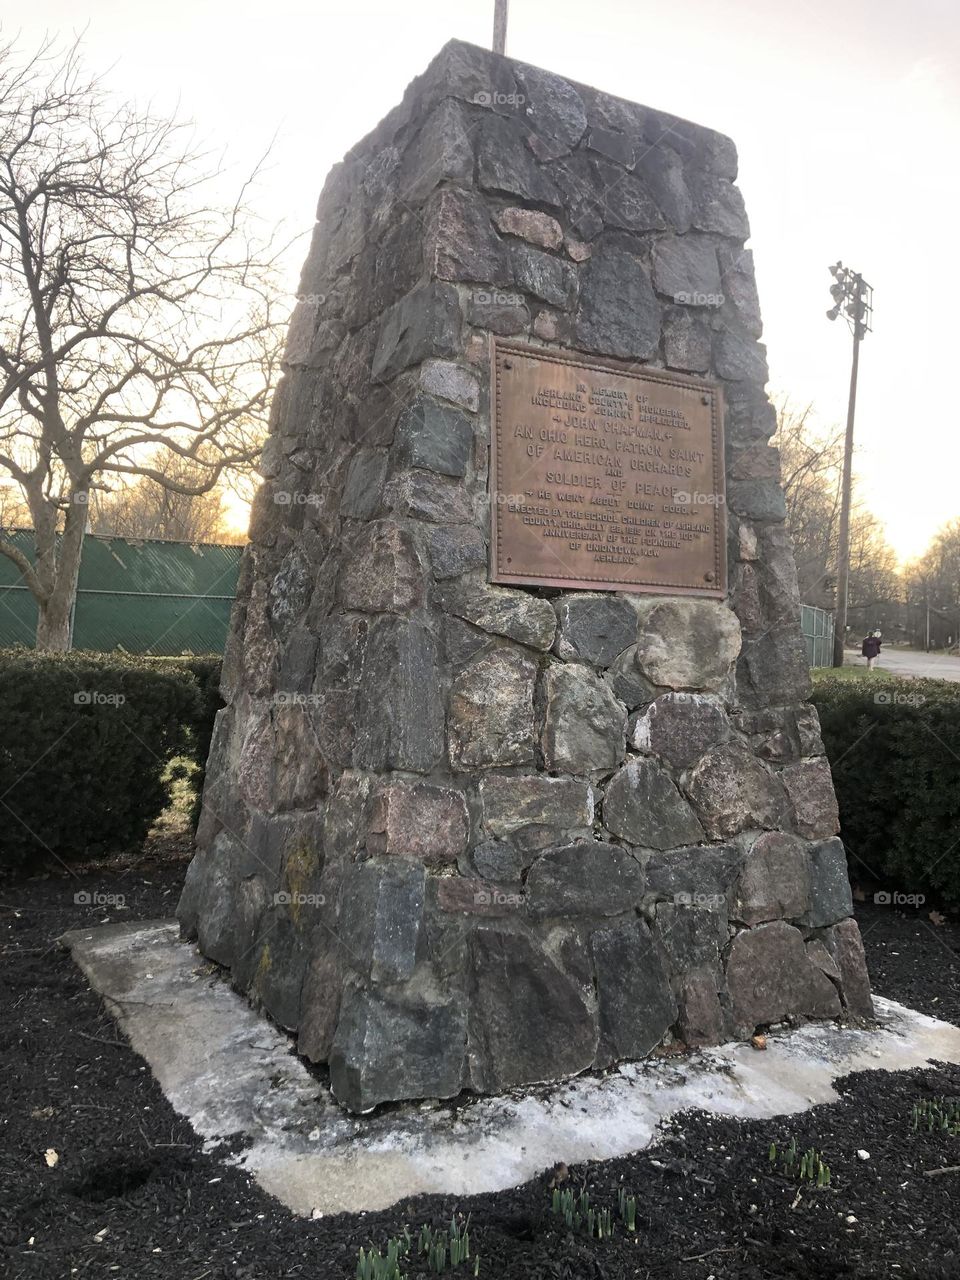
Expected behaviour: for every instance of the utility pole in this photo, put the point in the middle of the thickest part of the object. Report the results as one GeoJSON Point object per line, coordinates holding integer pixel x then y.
{"type": "Point", "coordinates": [500, 26]}
{"type": "Point", "coordinates": [853, 298]}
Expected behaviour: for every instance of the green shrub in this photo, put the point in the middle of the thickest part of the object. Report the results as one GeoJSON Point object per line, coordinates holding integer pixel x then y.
{"type": "Point", "coordinates": [894, 748]}
{"type": "Point", "coordinates": [84, 745]}
{"type": "Point", "coordinates": [206, 669]}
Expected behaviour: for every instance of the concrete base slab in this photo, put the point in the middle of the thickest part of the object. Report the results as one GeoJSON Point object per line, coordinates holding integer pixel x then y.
{"type": "Point", "coordinates": [228, 1071]}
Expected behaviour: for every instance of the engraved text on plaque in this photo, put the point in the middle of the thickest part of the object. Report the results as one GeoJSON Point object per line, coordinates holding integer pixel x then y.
{"type": "Point", "coordinates": [605, 479]}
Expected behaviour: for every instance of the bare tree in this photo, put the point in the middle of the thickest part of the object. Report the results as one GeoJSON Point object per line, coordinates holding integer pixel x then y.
{"type": "Point", "coordinates": [145, 509]}
{"type": "Point", "coordinates": [810, 466]}
{"type": "Point", "coordinates": [811, 463]}
{"type": "Point", "coordinates": [932, 590]}
{"type": "Point", "coordinates": [137, 314]}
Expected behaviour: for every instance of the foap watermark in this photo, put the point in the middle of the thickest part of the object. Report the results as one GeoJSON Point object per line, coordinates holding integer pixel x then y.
{"type": "Point", "coordinates": [888, 898]}
{"type": "Point", "coordinates": [94, 698]}
{"type": "Point", "coordinates": [494, 98]}
{"type": "Point", "coordinates": [294, 898]}
{"type": "Point", "coordinates": [512, 500]}
{"type": "Point", "coordinates": [496, 897]}
{"type": "Point", "coordinates": [286, 498]}
{"type": "Point", "coordinates": [692, 499]}
{"type": "Point", "coordinates": [290, 699]}
{"type": "Point", "coordinates": [886, 699]}
{"type": "Point", "coordinates": [93, 898]}
{"type": "Point", "coordinates": [708, 900]}
{"type": "Point", "coordinates": [496, 298]}
{"type": "Point", "coordinates": [699, 299]}
{"type": "Point", "coordinates": [312, 299]}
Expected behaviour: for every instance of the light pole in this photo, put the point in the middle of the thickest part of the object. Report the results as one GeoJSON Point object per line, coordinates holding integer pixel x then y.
{"type": "Point", "coordinates": [853, 299]}
{"type": "Point", "coordinates": [500, 26]}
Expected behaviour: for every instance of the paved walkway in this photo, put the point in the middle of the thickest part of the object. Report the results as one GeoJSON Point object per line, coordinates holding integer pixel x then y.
{"type": "Point", "coordinates": [913, 662]}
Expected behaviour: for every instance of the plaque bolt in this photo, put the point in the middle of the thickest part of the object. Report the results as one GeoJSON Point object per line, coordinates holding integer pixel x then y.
{"type": "Point", "coordinates": [704, 399]}
{"type": "Point", "coordinates": [708, 577]}
{"type": "Point", "coordinates": [508, 364]}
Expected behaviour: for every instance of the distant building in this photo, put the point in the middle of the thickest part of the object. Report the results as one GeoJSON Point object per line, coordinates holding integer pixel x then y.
{"type": "Point", "coordinates": [142, 596]}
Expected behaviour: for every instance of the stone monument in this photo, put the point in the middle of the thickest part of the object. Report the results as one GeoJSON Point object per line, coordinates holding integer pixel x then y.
{"type": "Point", "coordinates": [516, 778]}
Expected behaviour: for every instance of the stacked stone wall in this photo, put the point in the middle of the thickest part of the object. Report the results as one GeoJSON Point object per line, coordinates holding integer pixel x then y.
{"type": "Point", "coordinates": [462, 836]}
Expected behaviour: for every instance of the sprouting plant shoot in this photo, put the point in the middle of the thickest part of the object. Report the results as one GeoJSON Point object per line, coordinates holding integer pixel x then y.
{"type": "Point", "coordinates": [937, 1115]}
{"type": "Point", "coordinates": [443, 1250]}
{"type": "Point", "coordinates": [579, 1215]}
{"type": "Point", "coordinates": [808, 1166]}
{"type": "Point", "coordinates": [628, 1210]}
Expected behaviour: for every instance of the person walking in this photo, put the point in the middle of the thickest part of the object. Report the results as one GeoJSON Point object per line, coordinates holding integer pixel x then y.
{"type": "Point", "coordinates": [871, 649]}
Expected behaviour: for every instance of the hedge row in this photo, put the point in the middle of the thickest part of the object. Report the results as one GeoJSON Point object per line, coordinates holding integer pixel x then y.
{"type": "Point", "coordinates": [894, 748]}
{"type": "Point", "coordinates": [85, 741]}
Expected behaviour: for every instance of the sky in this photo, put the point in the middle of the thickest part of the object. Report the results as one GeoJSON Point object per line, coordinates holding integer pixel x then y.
{"type": "Point", "coordinates": [846, 114]}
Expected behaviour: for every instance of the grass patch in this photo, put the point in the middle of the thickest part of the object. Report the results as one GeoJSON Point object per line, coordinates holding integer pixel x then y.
{"type": "Point", "coordinates": [824, 675]}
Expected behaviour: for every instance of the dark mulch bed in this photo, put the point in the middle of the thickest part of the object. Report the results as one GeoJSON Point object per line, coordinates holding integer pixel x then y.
{"type": "Point", "coordinates": [134, 1196]}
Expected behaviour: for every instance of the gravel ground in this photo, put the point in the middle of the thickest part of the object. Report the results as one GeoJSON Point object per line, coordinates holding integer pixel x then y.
{"type": "Point", "coordinates": [132, 1194]}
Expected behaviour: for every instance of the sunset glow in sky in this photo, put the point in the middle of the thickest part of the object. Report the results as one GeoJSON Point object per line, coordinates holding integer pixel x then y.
{"type": "Point", "coordinates": [846, 114]}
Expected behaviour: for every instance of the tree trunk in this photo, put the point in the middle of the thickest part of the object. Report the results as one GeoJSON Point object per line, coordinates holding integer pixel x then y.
{"type": "Point", "coordinates": [53, 627]}
{"type": "Point", "coordinates": [55, 613]}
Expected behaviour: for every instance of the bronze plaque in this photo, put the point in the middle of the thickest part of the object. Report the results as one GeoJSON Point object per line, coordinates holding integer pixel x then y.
{"type": "Point", "coordinates": [603, 477]}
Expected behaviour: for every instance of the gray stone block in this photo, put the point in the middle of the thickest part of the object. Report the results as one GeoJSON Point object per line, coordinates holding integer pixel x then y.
{"type": "Point", "coordinates": [679, 727]}
{"type": "Point", "coordinates": [584, 879]}
{"type": "Point", "coordinates": [636, 1005]}
{"type": "Point", "coordinates": [845, 946]}
{"type": "Point", "coordinates": [830, 896]}
{"type": "Point", "coordinates": [490, 715]}
{"type": "Point", "coordinates": [642, 805]}
{"type": "Point", "coordinates": [424, 323]}
{"type": "Point", "coordinates": [691, 937]}
{"type": "Point", "coordinates": [397, 1044]}
{"type": "Point", "coordinates": [583, 723]}
{"type": "Point", "coordinates": [731, 791]}
{"type": "Point", "coordinates": [509, 803]}
{"type": "Point", "coordinates": [505, 165]}
{"type": "Point", "coordinates": [424, 496]}
{"type": "Point", "coordinates": [543, 276]}
{"type": "Point", "coordinates": [686, 643]}
{"type": "Point", "coordinates": [529, 1020]}
{"type": "Point", "coordinates": [435, 437]}
{"type": "Point", "coordinates": [399, 715]}
{"type": "Point", "coordinates": [382, 573]}
{"type": "Point", "coordinates": [775, 880]}
{"type": "Point", "coordinates": [554, 110]}
{"type": "Point", "coordinates": [462, 242]}
{"type": "Point", "coordinates": [809, 787]}
{"type": "Point", "coordinates": [595, 628]}
{"type": "Point", "coordinates": [501, 611]}
{"type": "Point", "coordinates": [380, 918]}
{"type": "Point", "coordinates": [619, 314]}
{"type": "Point", "coordinates": [770, 977]}
{"type": "Point", "coordinates": [456, 549]}
{"type": "Point", "coordinates": [686, 270]}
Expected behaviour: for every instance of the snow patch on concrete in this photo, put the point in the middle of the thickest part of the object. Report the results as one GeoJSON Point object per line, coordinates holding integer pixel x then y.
{"type": "Point", "coordinates": [228, 1071]}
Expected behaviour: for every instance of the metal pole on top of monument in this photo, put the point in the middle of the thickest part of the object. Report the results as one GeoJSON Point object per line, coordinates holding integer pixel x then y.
{"type": "Point", "coordinates": [853, 298]}
{"type": "Point", "coordinates": [500, 26]}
